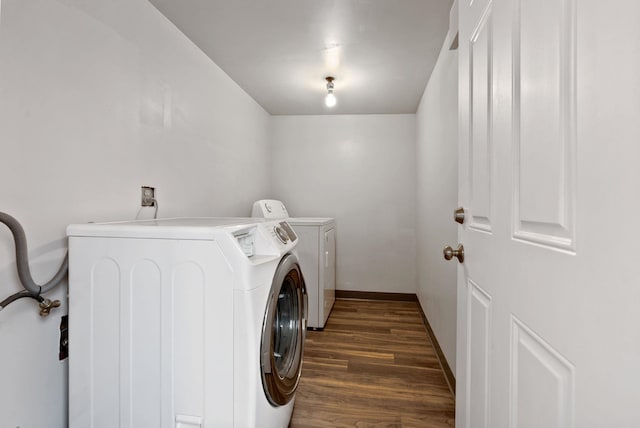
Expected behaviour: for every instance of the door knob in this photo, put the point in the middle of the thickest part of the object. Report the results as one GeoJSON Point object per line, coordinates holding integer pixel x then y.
{"type": "Point", "coordinates": [458, 215]}
{"type": "Point", "coordinates": [450, 253]}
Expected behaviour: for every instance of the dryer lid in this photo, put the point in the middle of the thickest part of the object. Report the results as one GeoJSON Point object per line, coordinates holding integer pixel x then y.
{"type": "Point", "coordinates": [269, 208]}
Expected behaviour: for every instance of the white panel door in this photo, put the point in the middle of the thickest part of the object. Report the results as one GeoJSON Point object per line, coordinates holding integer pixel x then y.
{"type": "Point", "coordinates": [549, 291]}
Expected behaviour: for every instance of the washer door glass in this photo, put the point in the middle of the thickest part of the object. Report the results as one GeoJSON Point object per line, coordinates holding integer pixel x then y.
{"type": "Point", "coordinates": [283, 333]}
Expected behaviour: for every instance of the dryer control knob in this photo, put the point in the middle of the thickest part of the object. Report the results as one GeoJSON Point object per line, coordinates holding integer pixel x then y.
{"type": "Point", "coordinates": [281, 234]}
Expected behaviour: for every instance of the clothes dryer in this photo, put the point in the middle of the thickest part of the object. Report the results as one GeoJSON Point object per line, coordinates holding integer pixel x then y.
{"type": "Point", "coordinates": [188, 322]}
{"type": "Point", "coordinates": [317, 253]}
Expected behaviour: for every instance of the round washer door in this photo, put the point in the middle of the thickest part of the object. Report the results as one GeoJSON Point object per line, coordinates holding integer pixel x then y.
{"type": "Point", "coordinates": [283, 332]}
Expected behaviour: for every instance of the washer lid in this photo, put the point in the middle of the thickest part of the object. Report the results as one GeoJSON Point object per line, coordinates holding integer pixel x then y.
{"type": "Point", "coordinates": [310, 221]}
{"type": "Point", "coordinates": [168, 228]}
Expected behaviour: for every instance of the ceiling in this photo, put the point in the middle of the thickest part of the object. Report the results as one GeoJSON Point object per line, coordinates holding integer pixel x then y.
{"type": "Point", "coordinates": [381, 52]}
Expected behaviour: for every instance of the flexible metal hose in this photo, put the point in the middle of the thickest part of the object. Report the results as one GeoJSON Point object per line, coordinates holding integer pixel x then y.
{"type": "Point", "coordinates": [22, 259]}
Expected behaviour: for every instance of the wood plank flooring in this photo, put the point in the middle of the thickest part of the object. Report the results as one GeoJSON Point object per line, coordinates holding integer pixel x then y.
{"type": "Point", "coordinates": [372, 366]}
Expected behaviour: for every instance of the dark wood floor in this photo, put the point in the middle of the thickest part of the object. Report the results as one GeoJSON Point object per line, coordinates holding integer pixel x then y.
{"type": "Point", "coordinates": [372, 366]}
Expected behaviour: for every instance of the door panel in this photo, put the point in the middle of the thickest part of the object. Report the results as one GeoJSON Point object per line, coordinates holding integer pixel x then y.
{"type": "Point", "coordinates": [542, 382]}
{"type": "Point", "coordinates": [480, 153]}
{"type": "Point", "coordinates": [544, 122]}
{"type": "Point", "coordinates": [478, 346]}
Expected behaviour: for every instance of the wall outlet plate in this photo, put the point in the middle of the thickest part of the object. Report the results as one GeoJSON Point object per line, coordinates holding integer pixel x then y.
{"type": "Point", "coordinates": [148, 196]}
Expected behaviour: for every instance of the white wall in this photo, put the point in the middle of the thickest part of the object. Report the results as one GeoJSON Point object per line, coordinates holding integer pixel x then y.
{"type": "Point", "coordinates": [361, 170]}
{"type": "Point", "coordinates": [96, 99]}
{"type": "Point", "coordinates": [437, 189]}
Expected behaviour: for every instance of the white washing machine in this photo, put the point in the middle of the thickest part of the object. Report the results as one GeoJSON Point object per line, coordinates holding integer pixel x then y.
{"type": "Point", "coordinates": [185, 323]}
{"type": "Point", "coordinates": [317, 253]}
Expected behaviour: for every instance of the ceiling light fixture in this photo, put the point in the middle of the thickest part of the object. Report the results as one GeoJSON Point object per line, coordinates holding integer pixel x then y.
{"type": "Point", "coordinates": [330, 100]}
